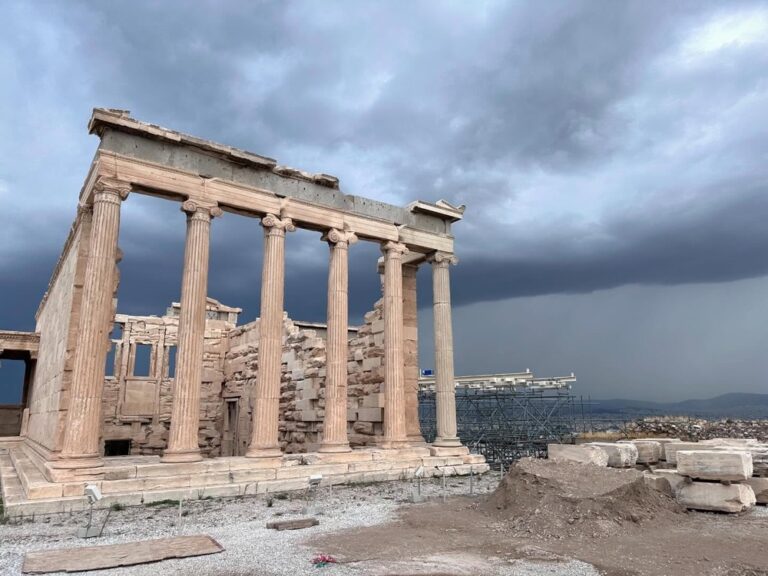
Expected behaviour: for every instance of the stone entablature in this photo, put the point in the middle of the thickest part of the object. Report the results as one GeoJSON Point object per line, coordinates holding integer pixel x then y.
{"type": "Point", "coordinates": [16, 344]}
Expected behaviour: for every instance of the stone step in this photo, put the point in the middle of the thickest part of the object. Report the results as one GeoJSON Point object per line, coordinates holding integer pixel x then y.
{"type": "Point", "coordinates": [714, 465]}
{"type": "Point", "coordinates": [32, 479]}
{"type": "Point", "coordinates": [716, 497]}
{"type": "Point", "coordinates": [224, 477]}
{"type": "Point", "coordinates": [12, 489]}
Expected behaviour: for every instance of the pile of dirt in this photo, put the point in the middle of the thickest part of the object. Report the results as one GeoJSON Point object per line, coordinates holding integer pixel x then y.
{"type": "Point", "coordinates": [557, 500]}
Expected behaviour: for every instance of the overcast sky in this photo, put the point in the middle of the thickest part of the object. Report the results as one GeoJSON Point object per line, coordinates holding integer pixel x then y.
{"type": "Point", "coordinates": [613, 157]}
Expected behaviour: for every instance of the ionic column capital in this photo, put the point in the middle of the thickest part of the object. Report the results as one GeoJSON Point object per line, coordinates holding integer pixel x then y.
{"type": "Point", "coordinates": [275, 225]}
{"type": "Point", "coordinates": [339, 238]}
{"type": "Point", "coordinates": [197, 211]}
{"type": "Point", "coordinates": [442, 259]}
{"type": "Point", "coordinates": [394, 249]}
{"type": "Point", "coordinates": [110, 190]}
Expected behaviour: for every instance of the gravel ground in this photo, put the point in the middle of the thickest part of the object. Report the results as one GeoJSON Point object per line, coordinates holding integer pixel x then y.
{"type": "Point", "coordinates": [239, 525]}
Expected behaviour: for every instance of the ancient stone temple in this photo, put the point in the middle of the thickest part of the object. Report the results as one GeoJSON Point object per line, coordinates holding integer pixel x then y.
{"type": "Point", "coordinates": [192, 403]}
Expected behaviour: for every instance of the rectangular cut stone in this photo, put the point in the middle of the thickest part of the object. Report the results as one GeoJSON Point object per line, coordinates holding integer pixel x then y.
{"type": "Point", "coordinates": [760, 488]}
{"type": "Point", "coordinates": [671, 449]}
{"type": "Point", "coordinates": [716, 497]}
{"type": "Point", "coordinates": [673, 477]}
{"type": "Point", "coordinates": [307, 471]}
{"type": "Point", "coordinates": [343, 457]}
{"type": "Point", "coordinates": [664, 481]}
{"type": "Point", "coordinates": [619, 455]}
{"type": "Point", "coordinates": [663, 442]}
{"type": "Point", "coordinates": [294, 524]}
{"type": "Point", "coordinates": [648, 451]}
{"type": "Point", "coordinates": [115, 555]}
{"type": "Point", "coordinates": [714, 465]}
{"type": "Point", "coordinates": [730, 441]}
{"type": "Point", "coordinates": [449, 450]}
{"type": "Point", "coordinates": [581, 453]}
{"type": "Point", "coordinates": [271, 486]}
{"type": "Point", "coordinates": [370, 414]}
{"type": "Point", "coordinates": [658, 483]}
{"type": "Point", "coordinates": [401, 454]}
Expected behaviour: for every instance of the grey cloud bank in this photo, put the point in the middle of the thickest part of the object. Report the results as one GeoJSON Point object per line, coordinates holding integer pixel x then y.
{"type": "Point", "coordinates": [600, 147]}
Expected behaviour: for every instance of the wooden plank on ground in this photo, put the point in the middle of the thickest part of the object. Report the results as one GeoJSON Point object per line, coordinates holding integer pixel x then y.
{"type": "Point", "coordinates": [296, 524]}
{"type": "Point", "coordinates": [113, 555]}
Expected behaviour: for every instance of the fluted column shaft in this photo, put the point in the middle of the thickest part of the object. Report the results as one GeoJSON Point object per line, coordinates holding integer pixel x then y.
{"type": "Point", "coordinates": [183, 445]}
{"type": "Point", "coordinates": [335, 424]}
{"type": "Point", "coordinates": [82, 432]}
{"type": "Point", "coordinates": [266, 408]}
{"type": "Point", "coordinates": [445, 385]}
{"type": "Point", "coordinates": [394, 375]}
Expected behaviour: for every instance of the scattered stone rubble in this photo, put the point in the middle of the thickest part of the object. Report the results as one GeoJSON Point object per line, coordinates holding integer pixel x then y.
{"type": "Point", "coordinates": [719, 474]}
{"type": "Point", "coordinates": [695, 429]}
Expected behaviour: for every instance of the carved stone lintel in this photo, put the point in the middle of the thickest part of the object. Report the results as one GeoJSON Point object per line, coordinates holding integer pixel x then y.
{"type": "Point", "coordinates": [442, 258]}
{"type": "Point", "coordinates": [341, 238]}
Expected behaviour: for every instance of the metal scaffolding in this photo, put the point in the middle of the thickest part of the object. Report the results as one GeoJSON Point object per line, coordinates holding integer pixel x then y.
{"type": "Point", "coordinates": [507, 416]}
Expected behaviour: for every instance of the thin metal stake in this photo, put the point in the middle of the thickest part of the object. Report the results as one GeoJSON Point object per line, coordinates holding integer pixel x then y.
{"type": "Point", "coordinates": [443, 484]}
{"type": "Point", "coordinates": [471, 481]}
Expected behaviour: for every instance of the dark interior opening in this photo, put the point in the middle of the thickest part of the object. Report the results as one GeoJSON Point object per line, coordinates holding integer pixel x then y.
{"type": "Point", "coordinates": [143, 360]}
{"type": "Point", "coordinates": [117, 447]}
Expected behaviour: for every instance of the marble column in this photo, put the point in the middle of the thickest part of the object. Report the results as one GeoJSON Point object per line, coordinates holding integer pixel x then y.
{"type": "Point", "coordinates": [411, 354]}
{"type": "Point", "coordinates": [394, 372]}
{"type": "Point", "coordinates": [81, 443]}
{"type": "Point", "coordinates": [335, 423]}
{"type": "Point", "coordinates": [266, 408]}
{"type": "Point", "coordinates": [445, 386]}
{"type": "Point", "coordinates": [185, 412]}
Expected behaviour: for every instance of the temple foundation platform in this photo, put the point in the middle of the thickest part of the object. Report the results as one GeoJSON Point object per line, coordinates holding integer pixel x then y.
{"type": "Point", "coordinates": [28, 487]}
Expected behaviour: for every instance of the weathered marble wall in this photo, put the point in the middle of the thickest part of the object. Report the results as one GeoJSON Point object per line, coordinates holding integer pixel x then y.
{"type": "Point", "coordinates": [138, 407]}
{"type": "Point", "coordinates": [57, 320]}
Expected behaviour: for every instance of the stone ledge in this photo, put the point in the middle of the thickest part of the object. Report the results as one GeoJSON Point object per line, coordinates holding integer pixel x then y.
{"type": "Point", "coordinates": [26, 491]}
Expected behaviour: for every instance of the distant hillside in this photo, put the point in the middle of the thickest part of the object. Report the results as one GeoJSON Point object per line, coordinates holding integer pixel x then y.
{"type": "Point", "coordinates": [732, 405]}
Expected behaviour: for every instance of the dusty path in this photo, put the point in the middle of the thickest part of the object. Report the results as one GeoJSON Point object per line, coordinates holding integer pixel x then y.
{"type": "Point", "coordinates": [374, 530]}
{"type": "Point", "coordinates": [559, 516]}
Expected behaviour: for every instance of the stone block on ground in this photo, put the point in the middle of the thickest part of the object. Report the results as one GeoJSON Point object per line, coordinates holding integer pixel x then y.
{"type": "Point", "coordinates": [716, 497]}
{"type": "Point", "coordinates": [714, 465]}
{"type": "Point", "coordinates": [760, 488]}
{"type": "Point", "coordinates": [294, 524]}
{"type": "Point", "coordinates": [581, 453]}
{"type": "Point", "coordinates": [658, 483]}
{"type": "Point", "coordinates": [672, 477]}
{"type": "Point", "coordinates": [671, 449]}
{"type": "Point", "coordinates": [663, 442]}
{"type": "Point", "coordinates": [665, 481]}
{"type": "Point", "coordinates": [648, 451]}
{"type": "Point", "coordinates": [619, 455]}
{"type": "Point", "coordinates": [729, 441]}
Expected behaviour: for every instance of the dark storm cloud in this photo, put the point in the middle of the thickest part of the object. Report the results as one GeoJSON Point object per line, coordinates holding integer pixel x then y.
{"type": "Point", "coordinates": [596, 144]}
